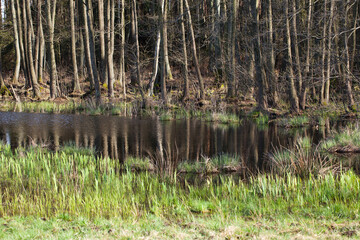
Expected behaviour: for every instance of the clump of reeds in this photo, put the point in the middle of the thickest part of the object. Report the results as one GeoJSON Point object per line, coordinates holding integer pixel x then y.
{"type": "Point", "coordinates": [303, 159]}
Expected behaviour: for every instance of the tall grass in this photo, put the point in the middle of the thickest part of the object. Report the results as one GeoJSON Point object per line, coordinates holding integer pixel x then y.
{"type": "Point", "coordinates": [303, 159]}
{"type": "Point", "coordinates": [68, 183]}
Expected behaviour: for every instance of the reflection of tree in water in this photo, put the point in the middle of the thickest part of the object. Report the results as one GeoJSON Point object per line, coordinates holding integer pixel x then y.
{"type": "Point", "coordinates": [167, 143]}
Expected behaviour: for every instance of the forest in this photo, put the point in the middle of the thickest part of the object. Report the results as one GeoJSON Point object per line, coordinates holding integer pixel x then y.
{"type": "Point", "coordinates": [279, 54]}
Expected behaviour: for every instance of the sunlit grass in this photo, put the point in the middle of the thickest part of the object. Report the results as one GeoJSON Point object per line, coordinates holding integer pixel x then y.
{"type": "Point", "coordinates": [70, 183]}
{"type": "Point", "coordinates": [296, 121]}
{"type": "Point", "coordinates": [347, 139]}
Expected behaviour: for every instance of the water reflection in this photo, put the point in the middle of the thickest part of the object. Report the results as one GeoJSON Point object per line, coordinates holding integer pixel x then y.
{"type": "Point", "coordinates": [169, 141]}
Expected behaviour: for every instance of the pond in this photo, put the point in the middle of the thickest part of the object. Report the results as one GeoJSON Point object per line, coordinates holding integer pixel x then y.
{"type": "Point", "coordinates": [176, 141]}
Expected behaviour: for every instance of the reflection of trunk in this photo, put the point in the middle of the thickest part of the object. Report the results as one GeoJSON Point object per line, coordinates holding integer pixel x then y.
{"type": "Point", "coordinates": [106, 146]}
{"type": "Point", "coordinates": [76, 84]}
{"type": "Point", "coordinates": [196, 62]}
{"type": "Point", "coordinates": [187, 139]}
{"type": "Point", "coordinates": [17, 46]}
{"type": "Point", "coordinates": [293, 95]}
{"type": "Point", "coordinates": [159, 135]}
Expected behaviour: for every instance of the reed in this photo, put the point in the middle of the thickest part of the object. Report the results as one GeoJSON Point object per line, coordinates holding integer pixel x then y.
{"type": "Point", "coordinates": [71, 182]}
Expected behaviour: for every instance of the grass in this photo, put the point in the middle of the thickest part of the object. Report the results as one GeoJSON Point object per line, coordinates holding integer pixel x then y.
{"type": "Point", "coordinates": [345, 140]}
{"type": "Point", "coordinates": [192, 228]}
{"type": "Point", "coordinates": [303, 160]}
{"type": "Point", "coordinates": [293, 122]}
{"type": "Point", "coordinates": [219, 164]}
{"type": "Point", "coordinates": [39, 183]}
{"type": "Point", "coordinates": [73, 194]}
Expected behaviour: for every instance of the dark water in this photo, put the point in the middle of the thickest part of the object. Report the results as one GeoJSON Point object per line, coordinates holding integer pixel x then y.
{"type": "Point", "coordinates": [119, 138]}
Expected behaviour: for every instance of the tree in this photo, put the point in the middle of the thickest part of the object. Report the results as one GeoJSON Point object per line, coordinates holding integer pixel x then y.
{"type": "Point", "coordinates": [76, 83]}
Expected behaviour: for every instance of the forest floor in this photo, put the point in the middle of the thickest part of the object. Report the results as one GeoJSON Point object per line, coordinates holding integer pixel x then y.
{"type": "Point", "coordinates": [287, 227]}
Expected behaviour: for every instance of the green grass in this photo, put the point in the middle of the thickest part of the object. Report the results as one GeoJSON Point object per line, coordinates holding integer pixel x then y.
{"type": "Point", "coordinates": [64, 227]}
{"type": "Point", "coordinates": [222, 163]}
{"type": "Point", "coordinates": [39, 183]}
{"type": "Point", "coordinates": [303, 159]}
{"type": "Point", "coordinates": [293, 122]}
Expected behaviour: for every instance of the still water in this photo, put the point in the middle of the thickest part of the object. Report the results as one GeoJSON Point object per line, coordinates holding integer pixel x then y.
{"type": "Point", "coordinates": [119, 137]}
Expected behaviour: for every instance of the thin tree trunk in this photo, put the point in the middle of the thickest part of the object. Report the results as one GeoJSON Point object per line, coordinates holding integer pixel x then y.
{"type": "Point", "coordinates": [255, 9]}
{"type": "Point", "coordinates": [22, 47]}
{"type": "Point", "coordinates": [162, 54]}
{"type": "Point", "coordinates": [231, 48]}
{"type": "Point", "coordinates": [293, 95]}
{"type": "Point", "coordinates": [185, 63]}
{"type": "Point", "coordinates": [102, 41]}
{"type": "Point", "coordinates": [76, 83]}
{"type": "Point", "coordinates": [87, 44]}
{"type": "Point", "coordinates": [51, 11]}
{"type": "Point", "coordinates": [296, 48]}
{"type": "Point", "coordinates": [323, 57]}
{"type": "Point", "coordinates": [30, 53]}
{"type": "Point", "coordinates": [196, 61]}
{"type": "Point", "coordinates": [347, 58]}
{"type": "Point", "coordinates": [156, 56]}
{"type": "Point", "coordinates": [15, 79]}
{"type": "Point", "coordinates": [328, 74]}
{"type": "Point", "coordinates": [41, 41]}
{"type": "Point", "coordinates": [272, 75]}
{"type": "Point", "coordinates": [137, 47]}
{"type": "Point", "coordinates": [92, 51]}
{"type": "Point", "coordinates": [307, 64]}
{"type": "Point", "coordinates": [110, 45]}
{"type": "Point", "coordinates": [122, 49]}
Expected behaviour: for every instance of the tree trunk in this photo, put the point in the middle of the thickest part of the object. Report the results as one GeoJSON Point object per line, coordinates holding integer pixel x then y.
{"type": "Point", "coordinates": [156, 56]}
{"type": "Point", "coordinates": [184, 50]}
{"type": "Point", "coordinates": [296, 48]}
{"type": "Point", "coordinates": [328, 73]}
{"type": "Point", "coordinates": [231, 49]}
{"type": "Point", "coordinates": [110, 45]}
{"type": "Point", "coordinates": [122, 48]}
{"type": "Point", "coordinates": [293, 95]}
{"type": "Point", "coordinates": [137, 47]}
{"type": "Point", "coordinates": [41, 41]}
{"type": "Point", "coordinates": [87, 44]}
{"type": "Point", "coordinates": [255, 9]}
{"type": "Point", "coordinates": [33, 76]}
{"type": "Point", "coordinates": [323, 57]}
{"type": "Point", "coordinates": [162, 54]}
{"type": "Point", "coordinates": [76, 83]}
{"type": "Point", "coordinates": [15, 78]}
{"type": "Point", "coordinates": [196, 62]}
{"type": "Point", "coordinates": [347, 58]}
{"type": "Point", "coordinates": [304, 89]}
{"type": "Point", "coordinates": [272, 75]}
{"type": "Point", "coordinates": [51, 11]}
{"type": "Point", "coordinates": [92, 51]}
{"type": "Point", "coordinates": [103, 71]}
